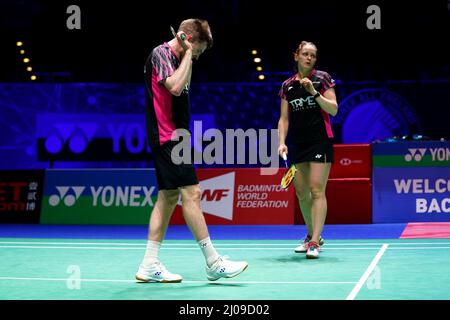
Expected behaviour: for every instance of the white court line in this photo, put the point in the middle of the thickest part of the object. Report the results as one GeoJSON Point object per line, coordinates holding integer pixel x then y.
{"type": "Point", "coordinates": [171, 248]}
{"type": "Point", "coordinates": [222, 248]}
{"type": "Point", "coordinates": [417, 248]}
{"type": "Point", "coordinates": [84, 248]}
{"type": "Point", "coordinates": [366, 274]}
{"type": "Point", "coordinates": [220, 244]}
{"type": "Point", "coordinates": [82, 243]}
{"type": "Point", "coordinates": [184, 281]}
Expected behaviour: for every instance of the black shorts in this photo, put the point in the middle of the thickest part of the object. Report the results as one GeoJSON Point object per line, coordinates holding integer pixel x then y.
{"type": "Point", "coordinates": [168, 174]}
{"type": "Point", "coordinates": [321, 151]}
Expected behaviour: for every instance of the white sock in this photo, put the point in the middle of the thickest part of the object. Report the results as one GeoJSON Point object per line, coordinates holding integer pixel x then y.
{"type": "Point", "coordinates": [209, 251]}
{"type": "Point", "coordinates": [151, 254]}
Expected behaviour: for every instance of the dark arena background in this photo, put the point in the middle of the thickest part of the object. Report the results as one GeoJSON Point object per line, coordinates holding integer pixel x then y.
{"type": "Point", "coordinates": [77, 177]}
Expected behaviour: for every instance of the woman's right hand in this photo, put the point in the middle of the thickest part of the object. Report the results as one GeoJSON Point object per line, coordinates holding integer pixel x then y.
{"type": "Point", "coordinates": [282, 149]}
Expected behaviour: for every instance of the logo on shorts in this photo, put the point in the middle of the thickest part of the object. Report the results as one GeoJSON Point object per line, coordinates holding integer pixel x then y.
{"type": "Point", "coordinates": [318, 156]}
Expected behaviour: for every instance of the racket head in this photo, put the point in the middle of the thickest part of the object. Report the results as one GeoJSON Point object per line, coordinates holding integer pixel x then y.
{"type": "Point", "coordinates": [288, 177]}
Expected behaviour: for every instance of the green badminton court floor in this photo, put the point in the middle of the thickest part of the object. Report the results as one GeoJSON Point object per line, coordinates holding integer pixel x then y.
{"type": "Point", "coordinates": [72, 269]}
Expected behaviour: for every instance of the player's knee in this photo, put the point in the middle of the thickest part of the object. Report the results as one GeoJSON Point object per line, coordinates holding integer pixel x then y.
{"type": "Point", "coordinates": [194, 194]}
{"type": "Point", "coordinates": [317, 192]}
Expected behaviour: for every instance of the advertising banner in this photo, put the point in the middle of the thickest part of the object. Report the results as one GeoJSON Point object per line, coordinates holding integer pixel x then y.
{"type": "Point", "coordinates": [411, 195]}
{"type": "Point", "coordinates": [351, 161]}
{"type": "Point", "coordinates": [411, 154]}
{"type": "Point", "coordinates": [98, 137]}
{"type": "Point", "coordinates": [242, 196]}
{"type": "Point", "coordinates": [97, 196]}
{"type": "Point", "coordinates": [411, 182]}
{"type": "Point", "coordinates": [20, 195]}
{"type": "Point", "coordinates": [239, 196]}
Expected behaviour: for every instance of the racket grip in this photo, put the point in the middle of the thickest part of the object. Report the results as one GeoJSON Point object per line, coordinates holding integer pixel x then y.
{"type": "Point", "coordinates": [284, 156]}
{"type": "Point", "coordinates": [182, 37]}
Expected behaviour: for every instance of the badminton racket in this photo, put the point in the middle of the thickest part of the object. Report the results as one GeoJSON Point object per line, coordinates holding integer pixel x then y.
{"type": "Point", "coordinates": [289, 175]}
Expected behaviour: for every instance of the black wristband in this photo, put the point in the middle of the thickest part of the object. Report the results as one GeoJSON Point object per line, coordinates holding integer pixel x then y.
{"type": "Point", "coordinates": [317, 95]}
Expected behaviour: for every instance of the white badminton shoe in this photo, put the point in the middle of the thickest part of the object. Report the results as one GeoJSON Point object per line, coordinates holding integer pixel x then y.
{"type": "Point", "coordinates": [157, 272]}
{"type": "Point", "coordinates": [224, 268]}
{"type": "Point", "coordinates": [313, 250]}
{"type": "Point", "coordinates": [304, 246]}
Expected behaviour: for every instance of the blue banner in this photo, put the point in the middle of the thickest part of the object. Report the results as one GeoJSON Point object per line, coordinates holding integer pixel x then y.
{"type": "Point", "coordinates": [411, 195]}
{"type": "Point", "coordinates": [97, 137]}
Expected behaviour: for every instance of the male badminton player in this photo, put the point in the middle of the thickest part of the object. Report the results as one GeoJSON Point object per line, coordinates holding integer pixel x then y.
{"type": "Point", "coordinates": [167, 76]}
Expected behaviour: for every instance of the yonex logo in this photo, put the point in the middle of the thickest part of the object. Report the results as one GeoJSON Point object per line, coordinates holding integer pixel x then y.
{"type": "Point", "coordinates": [106, 196]}
{"type": "Point", "coordinates": [77, 134]}
{"type": "Point", "coordinates": [416, 154]}
{"type": "Point", "coordinates": [68, 199]}
{"type": "Point", "coordinates": [437, 154]}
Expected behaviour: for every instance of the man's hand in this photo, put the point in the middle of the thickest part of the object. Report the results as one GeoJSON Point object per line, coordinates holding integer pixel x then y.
{"type": "Point", "coordinates": [183, 39]}
{"type": "Point", "coordinates": [184, 43]}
